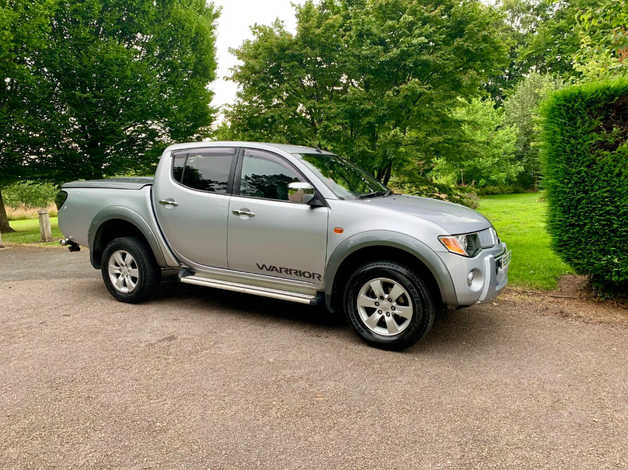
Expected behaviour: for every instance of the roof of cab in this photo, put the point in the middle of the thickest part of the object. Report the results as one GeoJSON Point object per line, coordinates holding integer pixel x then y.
{"type": "Point", "coordinates": [293, 149]}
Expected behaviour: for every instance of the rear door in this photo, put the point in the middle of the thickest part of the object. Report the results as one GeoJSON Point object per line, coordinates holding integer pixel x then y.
{"type": "Point", "coordinates": [269, 234]}
{"type": "Point", "coordinates": [192, 204]}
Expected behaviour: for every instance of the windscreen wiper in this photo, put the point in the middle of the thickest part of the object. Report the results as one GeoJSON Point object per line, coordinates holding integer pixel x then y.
{"type": "Point", "coordinates": [375, 194]}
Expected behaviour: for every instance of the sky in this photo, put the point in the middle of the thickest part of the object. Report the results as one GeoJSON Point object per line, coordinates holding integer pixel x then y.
{"type": "Point", "coordinates": [236, 18]}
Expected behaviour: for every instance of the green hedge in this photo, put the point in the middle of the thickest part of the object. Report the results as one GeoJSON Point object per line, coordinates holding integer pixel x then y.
{"type": "Point", "coordinates": [585, 133]}
{"type": "Point", "coordinates": [29, 194]}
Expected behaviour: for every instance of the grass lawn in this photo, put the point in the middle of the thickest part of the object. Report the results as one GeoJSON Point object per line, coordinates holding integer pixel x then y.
{"type": "Point", "coordinates": [520, 221]}
{"type": "Point", "coordinates": [27, 231]}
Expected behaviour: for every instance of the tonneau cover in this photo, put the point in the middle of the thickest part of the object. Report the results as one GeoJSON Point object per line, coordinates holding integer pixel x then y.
{"type": "Point", "coordinates": [112, 183]}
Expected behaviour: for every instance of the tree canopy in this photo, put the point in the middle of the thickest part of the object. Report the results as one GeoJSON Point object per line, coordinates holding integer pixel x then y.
{"type": "Point", "coordinates": [128, 77]}
{"type": "Point", "coordinates": [99, 87]}
{"type": "Point", "coordinates": [372, 80]}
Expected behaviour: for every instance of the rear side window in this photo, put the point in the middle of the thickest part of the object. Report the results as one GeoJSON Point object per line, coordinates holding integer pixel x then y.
{"type": "Point", "coordinates": [178, 163]}
{"type": "Point", "coordinates": [265, 175]}
{"type": "Point", "coordinates": [205, 170]}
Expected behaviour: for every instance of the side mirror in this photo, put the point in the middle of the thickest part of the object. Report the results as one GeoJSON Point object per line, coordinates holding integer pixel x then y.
{"type": "Point", "coordinates": [301, 192]}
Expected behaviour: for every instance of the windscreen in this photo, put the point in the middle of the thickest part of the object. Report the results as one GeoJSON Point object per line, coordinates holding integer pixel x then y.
{"type": "Point", "coordinates": [345, 179]}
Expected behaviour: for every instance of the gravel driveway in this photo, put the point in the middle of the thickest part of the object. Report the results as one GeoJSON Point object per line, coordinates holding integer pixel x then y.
{"type": "Point", "coordinates": [201, 378]}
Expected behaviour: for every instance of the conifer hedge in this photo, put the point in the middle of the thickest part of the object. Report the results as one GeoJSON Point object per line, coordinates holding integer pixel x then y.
{"type": "Point", "coordinates": [585, 144]}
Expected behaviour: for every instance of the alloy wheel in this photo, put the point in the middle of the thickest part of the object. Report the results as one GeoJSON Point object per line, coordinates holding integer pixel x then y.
{"type": "Point", "coordinates": [384, 306]}
{"type": "Point", "coordinates": [123, 271]}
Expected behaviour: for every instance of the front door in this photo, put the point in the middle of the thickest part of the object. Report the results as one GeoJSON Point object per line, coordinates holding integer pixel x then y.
{"type": "Point", "coordinates": [191, 199]}
{"type": "Point", "coordinates": [269, 234]}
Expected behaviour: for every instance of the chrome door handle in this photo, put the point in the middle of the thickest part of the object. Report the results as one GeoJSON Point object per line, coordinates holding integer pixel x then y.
{"type": "Point", "coordinates": [243, 212]}
{"type": "Point", "coordinates": [168, 202]}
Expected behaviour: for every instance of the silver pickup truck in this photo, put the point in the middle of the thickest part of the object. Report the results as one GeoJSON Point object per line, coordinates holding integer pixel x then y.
{"type": "Point", "coordinates": [289, 222]}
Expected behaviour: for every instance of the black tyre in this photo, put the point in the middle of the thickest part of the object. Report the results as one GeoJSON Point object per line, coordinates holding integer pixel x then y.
{"type": "Point", "coordinates": [129, 270]}
{"type": "Point", "coordinates": [388, 305]}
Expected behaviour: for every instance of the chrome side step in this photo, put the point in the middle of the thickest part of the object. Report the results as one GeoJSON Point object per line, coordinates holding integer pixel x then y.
{"type": "Point", "coordinates": [247, 289]}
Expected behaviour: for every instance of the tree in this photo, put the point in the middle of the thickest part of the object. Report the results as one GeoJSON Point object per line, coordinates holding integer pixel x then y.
{"type": "Point", "coordinates": [521, 18]}
{"type": "Point", "coordinates": [521, 110]}
{"type": "Point", "coordinates": [488, 150]}
{"type": "Point", "coordinates": [573, 39]}
{"type": "Point", "coordinates": [554, 39]}
{"type": "Point", "coordinates": [128, 78]}
{"type": "Point", "coordinates": [23, 32]}
{"type": "Point", "coordinates": [603, 33]}
{"type": "Point", "coordinates": [120, 80]}
{"type": "Point", "coordinates": [374, 80]}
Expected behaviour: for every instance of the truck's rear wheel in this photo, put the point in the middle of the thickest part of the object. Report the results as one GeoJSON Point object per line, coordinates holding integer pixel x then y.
{"type": "Point", "coordinates": [129, 270]}
{"type": "Point", "coordinates": [388, 305]}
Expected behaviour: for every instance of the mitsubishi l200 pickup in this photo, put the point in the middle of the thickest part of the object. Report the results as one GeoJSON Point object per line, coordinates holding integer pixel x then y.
{"type": "Point", "coordinates": [289, 222]}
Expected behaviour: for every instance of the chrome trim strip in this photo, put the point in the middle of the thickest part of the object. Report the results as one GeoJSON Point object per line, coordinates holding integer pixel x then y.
{"type": "Point", "coordinates": [242, 277]}
{"type": "Point", "coordinates": [261, 291]}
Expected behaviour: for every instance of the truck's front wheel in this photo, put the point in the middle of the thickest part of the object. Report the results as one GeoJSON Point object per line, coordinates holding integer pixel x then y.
{"type": "Point", "coordinates": [129, 270]}
{"type": "Point", "coordinates": [389, 306]}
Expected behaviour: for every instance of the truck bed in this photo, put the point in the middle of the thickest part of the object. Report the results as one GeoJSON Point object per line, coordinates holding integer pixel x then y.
{"type": "Point", "coordinates": [90, 204]}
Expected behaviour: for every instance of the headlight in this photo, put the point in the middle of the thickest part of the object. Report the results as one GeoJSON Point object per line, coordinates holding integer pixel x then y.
{"type": "Point", "coordinates": [467, 244]}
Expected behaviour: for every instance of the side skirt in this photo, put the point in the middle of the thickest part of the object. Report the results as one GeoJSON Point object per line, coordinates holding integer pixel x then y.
{"type": "Point", "coordinates": [204, 279]}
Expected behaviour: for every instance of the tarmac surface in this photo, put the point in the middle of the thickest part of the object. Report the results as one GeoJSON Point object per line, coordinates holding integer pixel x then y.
{"type": "Point", "coordinates": [200, 378]}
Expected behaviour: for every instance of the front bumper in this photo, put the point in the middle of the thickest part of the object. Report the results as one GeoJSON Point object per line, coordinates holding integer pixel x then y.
{"type": "Point", "coordinates": [481, 278]}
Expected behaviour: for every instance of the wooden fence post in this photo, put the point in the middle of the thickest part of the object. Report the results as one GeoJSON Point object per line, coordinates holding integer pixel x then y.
{"type": "Point", "coordinates": [44, 226]}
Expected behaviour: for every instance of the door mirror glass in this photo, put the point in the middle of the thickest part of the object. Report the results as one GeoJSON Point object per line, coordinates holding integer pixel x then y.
{"type": "Point", "coordinates": [301, 192]}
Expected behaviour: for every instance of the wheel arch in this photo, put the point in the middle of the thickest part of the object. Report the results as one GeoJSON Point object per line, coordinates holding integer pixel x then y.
{"type": "Point", "coordinates": [117, 221]}
{"type": "Point", "coordinates": [378, 245]}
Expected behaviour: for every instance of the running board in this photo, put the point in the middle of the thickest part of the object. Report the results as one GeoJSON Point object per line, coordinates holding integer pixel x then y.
{"type": "Point", "coordinates": [247, 289]}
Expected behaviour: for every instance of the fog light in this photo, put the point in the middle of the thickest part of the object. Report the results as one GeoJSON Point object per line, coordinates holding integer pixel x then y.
{"type": "Point", "coordinates": [470, 277]}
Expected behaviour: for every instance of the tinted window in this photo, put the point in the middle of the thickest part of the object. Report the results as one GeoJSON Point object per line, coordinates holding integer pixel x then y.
{"type": "Point", "coordinates": [265, 175]}
{"type": "Point", "coordinates": [207, 170]}
{"type": "Point", "coordinates": [178, 163]}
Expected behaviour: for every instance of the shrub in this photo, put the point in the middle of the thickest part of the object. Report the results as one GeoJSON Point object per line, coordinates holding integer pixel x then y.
{"type": "Point", "coordinates": [421, 186]}
{"type": "Point", "coordinates": [29, 194]}
{"type": "Point", "coordinates": [585, 133]}
{"type": "Point", "coordinates": [503, 189]}
{"type": "Point", "coordinates": [23, 212]}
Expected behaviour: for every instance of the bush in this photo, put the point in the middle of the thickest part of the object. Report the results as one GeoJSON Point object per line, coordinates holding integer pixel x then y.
{"type": "Point", "coordinates": [585, 134]}
{"type": "Point", "coordinates": [29, 194]}
{"type": "Point", "coordinates": [421, 186]}
{"type": "Point", "coordinates": [503, 189]}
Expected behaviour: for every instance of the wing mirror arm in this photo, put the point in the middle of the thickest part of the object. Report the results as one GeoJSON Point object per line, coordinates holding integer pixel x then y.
{"type": "Point", "coordinates": [317, 202]}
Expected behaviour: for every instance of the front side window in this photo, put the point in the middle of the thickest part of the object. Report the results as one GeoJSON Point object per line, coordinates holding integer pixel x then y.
{"type": "Point", "coordinates": [205, 170]}
{"type": "Point", "coordinates": [264, 175]}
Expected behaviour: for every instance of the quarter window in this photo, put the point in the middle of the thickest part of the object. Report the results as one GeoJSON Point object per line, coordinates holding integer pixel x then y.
{"type": "Point", "coordinates": [206, 170]}
{"type": "Point", "coordinates": [178, 164]}
{"type": "Point", "coordinates": [264, 175]}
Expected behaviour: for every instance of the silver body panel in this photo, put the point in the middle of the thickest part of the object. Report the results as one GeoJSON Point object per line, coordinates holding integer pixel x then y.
{"type": "Point", "coordinates": [285, 248]}
{"type": "Point", "coordinates": [87, 208]}
{"type": "Point", "coordinates": [196, 229]}
{"type": "Point", "coordinates": [281, 234]}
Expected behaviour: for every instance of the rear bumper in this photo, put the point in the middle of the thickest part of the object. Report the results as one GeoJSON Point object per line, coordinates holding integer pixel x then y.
{"type": "Point", "coordinates": [481, 278]}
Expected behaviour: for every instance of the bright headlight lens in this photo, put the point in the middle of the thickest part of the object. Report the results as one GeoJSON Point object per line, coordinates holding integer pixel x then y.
{"type": "Point", "coordinates": [467, 244]}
